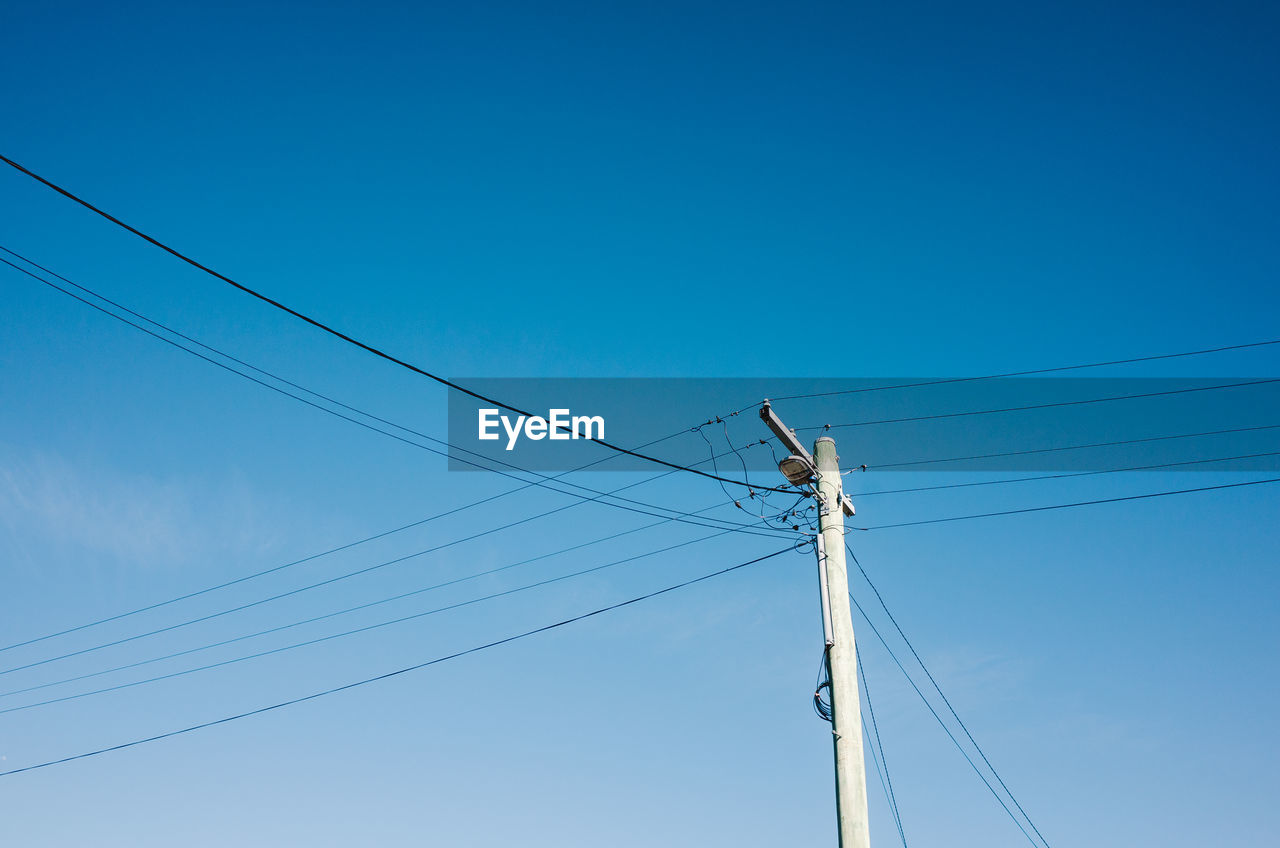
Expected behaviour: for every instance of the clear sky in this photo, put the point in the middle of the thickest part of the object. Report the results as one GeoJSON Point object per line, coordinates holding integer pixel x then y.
{"type": "Point", "coordinates": [625, 190]}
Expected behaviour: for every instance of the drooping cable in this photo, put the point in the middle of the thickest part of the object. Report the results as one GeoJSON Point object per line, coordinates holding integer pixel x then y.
{"type": "Point", "coordinates": [544, 480]}
{"type": "Point", "coordinates": [342, 634]}
{"type": "Point", "coordinates": [525, 484]}
{"type": "Point", "coordinates": [888, 778]}
{"type": "Point", "coordinates": [399, 597]}
{"type": "Point", "coordinates": [822, 703]}
{"type": "Point", "coordinates": [400, 671]}
{"type": "Point", "coordinates": [870, 748]}
{"type": "Point", "coordinates": [295, 591]}
{"type": "Point", "coordinates": [928, 705]}
{"type": "Point", "coordinates": [368, 348]}
{"type": "Point", "coordinates": [884, 606]}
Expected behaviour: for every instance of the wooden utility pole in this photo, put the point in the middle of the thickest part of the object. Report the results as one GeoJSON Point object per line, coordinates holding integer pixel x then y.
{"type": "Point", "coordinates": [821, 472]}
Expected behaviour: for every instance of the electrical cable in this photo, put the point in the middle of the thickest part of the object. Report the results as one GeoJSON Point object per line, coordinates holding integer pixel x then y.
{"type": "Point", "coordinates": [888, 779]}
{"type": "Point", "coordinates": [265, 373]}
{"type": "Point", "coordinates": [1068, 505]}
{"type": "Point", "coordinates": [868, 746]}
{"type": "Point", "coordinates": [938, 689]}
{"type": "Point", "coordinates": [941, 723]}
{"type": "Point", "coordinates": [1054, 405]}
{"type": "Point", "coordinates": [1026, 373]}
{"type": "Point", "coordinates": [399, 597]}
{"type": "Point", "coordinates": [334, 690]}
{"type": "Point", "coordinates": [346, 338]}
{"type": "Point", "coordinates": [326, 582]}
{"type": "Point", "coordinates": [543, 480]}
{"type": "Point", "coordinates": [1067, 474]}
{"type": "Point", "coordinates": [291, 592]}
{"type": "Point", "coordinates": [882, 466]}
{"type": "Point", "coordinates": [724, 425]}
{"type": "Point", "coordinates": [716, 468]}
{"type": "Point", "coordinates": [820, 706]}
{"type": "Point", "coordinates": [764, 496]}
{"type": "Point", "coordinates": [526, 484]}
{"type": "Point", "coordinates": [306, 559]}
{"type": "Point", "coordinates": [342, 634]}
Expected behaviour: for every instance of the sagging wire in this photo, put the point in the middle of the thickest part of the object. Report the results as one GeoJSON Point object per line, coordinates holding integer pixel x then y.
{"type": "Point", "coordinates": [888, 779]}
{"type": "Point", "coordinates": [821, 705]}
{"type": "Point", "coordinates": [947, 730]}
{"type": "Point", "coordinates": [787, 519]}
{"type": "Point", "coordinates": [866, 738]}
{"type": "Point", "coordinates": [806, 521]}
{"type": "Point", "coordinates": [773, 451]}
{"type": "Point", "coordinates": [790, 518]}
{"type": "Point", "coordinates": [751, 493]}
{"type": "Point", "coordinates": [724, 424]}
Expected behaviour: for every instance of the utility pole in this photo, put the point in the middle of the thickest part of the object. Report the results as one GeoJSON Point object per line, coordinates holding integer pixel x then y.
{"type": "Point", "coordinates": [821, 471]}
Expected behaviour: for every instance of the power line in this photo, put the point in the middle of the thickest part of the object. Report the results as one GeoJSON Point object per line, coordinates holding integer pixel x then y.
{"type": "Point", "coordinates": [882, 466]}
{"type": "Point", "coordinates": [1029, 372]}
{"type": "Point", "coordinates": [356, 608]}
{"type": "Point", "coordinates": [764, 520]}
{"type": "Point", "coordinates": [893, 800]}
{"type": "Point", "coordinates": [326, 582]}
{"type": "Point", "coordinates": [543, 481]}
{"type": "Point", "coordinates": [243, 579]}
{"type": "Point", "coordinates": [1070, 505]}
{"type": "Point", "coordinates": [334, 690]}
{"type": "Point", "coordinates": [870, 746]}
{"type": "Point", "coordinates": [1056, 404]}
{"type": "Point", "coordinates": [938, 718]}
{"type": "Point", "coordinates": [941, 694]}
{"type": "Point", "coordinates": [277, 568]}
{"type": "Point", "coordinates": [526, 484]}
{"type": "Point", "coordinates": [342, 634]}
{"type": "Point", "coordinates": [353, 341]}
{"type": "Point", "coordinates": [291, 592]}
{"type": "Point", "coordinates": [1067, 474]}
{"type": "Point", "coordinates": [277, 377]}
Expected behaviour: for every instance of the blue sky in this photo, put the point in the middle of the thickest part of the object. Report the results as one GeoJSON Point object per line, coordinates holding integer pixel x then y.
{"type": "Point", "coordinates": [648, 190]}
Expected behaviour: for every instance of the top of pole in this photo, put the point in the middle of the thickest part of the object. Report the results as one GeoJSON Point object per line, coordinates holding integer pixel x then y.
{"type": "Point", "coordinates": [786, 436]}
{"type": "Point", "coordinates": [825, 448]}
